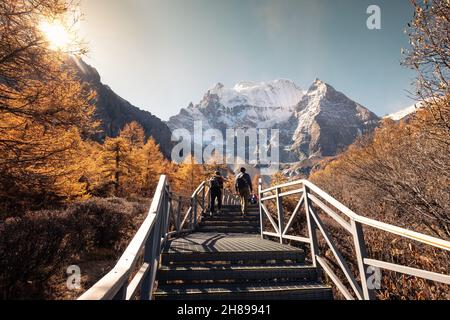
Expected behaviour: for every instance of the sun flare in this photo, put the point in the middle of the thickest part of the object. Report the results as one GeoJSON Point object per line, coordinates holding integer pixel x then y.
{"type": "Point", "coordinates": [56, 34]}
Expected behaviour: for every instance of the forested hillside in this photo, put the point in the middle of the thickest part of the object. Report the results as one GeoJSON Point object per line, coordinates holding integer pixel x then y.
{"type": "Point", "coordinates": [65, 198]}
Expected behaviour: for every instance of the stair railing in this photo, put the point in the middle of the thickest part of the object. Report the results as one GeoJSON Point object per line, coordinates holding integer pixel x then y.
{"type": "Point", "coordinates": [353, 223]}
{"type": "Point", "coordinates": [164, 221]}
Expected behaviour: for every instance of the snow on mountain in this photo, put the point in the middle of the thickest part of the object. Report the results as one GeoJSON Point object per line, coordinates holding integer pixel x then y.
{"type": "Point", "coordinates": [274, 94]}
{"type": "Point", "coordinates": [399, 115]}
{"type": "Point", "coordinates": [246, 105]}
{"type": "Point", "coordinates": [314, 123]}
{"type": "Point", "coordinates": [328, 122]}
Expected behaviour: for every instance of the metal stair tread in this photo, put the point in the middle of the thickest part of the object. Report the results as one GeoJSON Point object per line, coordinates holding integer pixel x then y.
{"type": "Point", "coordinates": [226, 243]}
{"type": "Point", "coordinates": [236, 267]}
{"type": "Point", "coordinates": [233, 288]}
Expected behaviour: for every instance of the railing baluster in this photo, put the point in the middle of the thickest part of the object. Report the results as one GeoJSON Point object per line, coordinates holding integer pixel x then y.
{"type": "Point", "coordinates": [156, 251]}
{"type": "Point", "coordinates": [178, 220]}
{"type": "Point", "coordinates": [191, 215]}
{"type": "Point", "coordinates": [148, 258]}
{"type": "Point", "coordinates": [203, 200]}
{"type": "Point", "coordinates": [167, 212]}
{"type": "Point", "coordinates": [312, 227]}
{"type": "Point", "coordinates": [195, 211]}
{"type": "Point", "coordinates": [280, 212]}
{"type": "Point", "coordinates": [361, 254]}
{"type": "Point", "coordinates": [261, 221]}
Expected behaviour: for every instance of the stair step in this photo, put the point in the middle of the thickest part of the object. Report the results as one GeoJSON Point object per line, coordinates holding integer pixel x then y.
{"type": "Point", "coordinates": [227, 229]}
{"type": "Point", "coordinates": [238, 206]}
{"type": "Point", "coordinates": [231, 217]}
{"type": "Point", "coordinates": [218, 272]}
{"type": "Point", "coordinates": [237, 217]}
{"type": "Point", "coordinates": [235, 212]}
{"type": "Point", "coordinates": [230, 223]}
{"type": "Point", "coordinates": [228, 257]}
{"type": "Point", "coordinates": [238, 209]}
{"type": "Point", "coordinates": [285, 291]}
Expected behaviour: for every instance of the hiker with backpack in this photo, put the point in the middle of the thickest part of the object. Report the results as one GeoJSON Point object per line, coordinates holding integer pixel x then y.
{"type": "Point", "coordinates": [216, 191]}
{"type": "Point", "coordinates": [244, 189]}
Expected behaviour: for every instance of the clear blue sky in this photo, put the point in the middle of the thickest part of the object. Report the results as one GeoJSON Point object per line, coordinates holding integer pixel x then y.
{"type": "Point", "coordinates": [162, 54]}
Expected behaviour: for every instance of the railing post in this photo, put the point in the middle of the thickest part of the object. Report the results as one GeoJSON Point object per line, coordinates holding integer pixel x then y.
{"type": "Point", "coordinates": [191, 214]}
{"type": "Point", "coordinates": [148, 258]}
{"type": "Point", "coordinates": [122, 293]}
{"type": "Point", "coordinates": [195, 209]}
{"type": "Point", "coordinates": [203, 199]}
{"type": "Point", "coordinates": [361, 254]}
{"type": "Point", "coordinates": [280, 214]}
{"type": "Point", "coordinates": [178, 223]}
{"type": "Point", "coordinates": [167, 212]}
{"type": "Point", "coordinates": [261, 216]}
{"type": "Point", "coordinates": [156, 251]}
{"type": "Point", "coordinates": [312, 227]}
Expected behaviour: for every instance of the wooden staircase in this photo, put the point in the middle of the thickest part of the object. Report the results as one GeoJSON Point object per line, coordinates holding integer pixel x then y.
{"type": "Point", "coordinates": [226, 259]}
{"type": "Point", "coordinates": [181, 253]}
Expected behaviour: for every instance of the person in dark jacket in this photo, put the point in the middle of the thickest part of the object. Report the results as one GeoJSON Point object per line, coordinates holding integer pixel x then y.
{"type": "Point", "coordinates": [216, 187]}
{"type": "Point", "coordinates": [244, 188]}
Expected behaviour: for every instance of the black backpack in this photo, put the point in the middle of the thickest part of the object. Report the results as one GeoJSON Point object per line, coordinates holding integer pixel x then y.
{"type": "Point", "coordinates": [241, 181]}
{"type": "Point", "coordinates": [215, 183]}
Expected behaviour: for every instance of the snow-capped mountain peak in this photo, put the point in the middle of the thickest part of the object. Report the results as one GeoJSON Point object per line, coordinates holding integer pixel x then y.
{"type": "Point", "coordinates": [328, 121]}
{"type": "Point", "coordinates": [273, 94]}
{"type": "Point", "coordinates": [319, 122]}
{"type": "Point", "coordinates": [319, 88]}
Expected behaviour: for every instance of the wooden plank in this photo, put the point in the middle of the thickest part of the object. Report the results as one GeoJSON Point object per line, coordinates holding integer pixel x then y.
{"type": "Point", "coordinates": [137, 280]}
{"type": "Point", "coordinates": [297, 238]}
{"type": "Point", "coordinates": [432, 241]}
{"type": "Point", "coordinates": [331, 213]}
{"type": "Point", "coordinates": [284, 185]}
{"type": "Point", "coordinates": [351, 279]}
{"type": "Point", "coordinates": [113, 281]}
{"type": "Point", "coordinates": [269, 197]}
{"type": "Point", "coordinates": [312, 228]}
{"type": "Point", "coordinates": [270, 218]}
{"type": "Point", "coordinates": [131, 253]}
{"type": "Point", "coordinates": [361, 254]}
{"type": "Point", "coordinates": [346, 211]}
{"type": "Point", "coordinates": [291, 192]}
{"type": "Point", "coordinates": [188, 213]}
{"type": "Point", "coordinates": [280, 213]}
{"type": "Point", "coordinates": [261, 216]}
{"type": "Point", "coordinates": [107, 287]}
{"type": "Point", "coordinates": [294, 214]}
{"type": "Point", "coordinates": [438, 277]}
{"type": "Point", "coordinates": [334, 278]}
{"type": "Point", "coordinates": [196, 192]}
{"type": "Point", "coordinates": [271, 234]}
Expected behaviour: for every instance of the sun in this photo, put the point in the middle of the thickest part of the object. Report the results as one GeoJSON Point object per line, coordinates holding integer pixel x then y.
{"type": "Point", "coordinates": [56, 34]}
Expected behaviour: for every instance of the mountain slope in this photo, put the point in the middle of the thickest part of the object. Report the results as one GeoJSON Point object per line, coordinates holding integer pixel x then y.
{"type": "Point", "coordinates": [328, 122]}
{"type": "Point", "coordinates": [115, 112]}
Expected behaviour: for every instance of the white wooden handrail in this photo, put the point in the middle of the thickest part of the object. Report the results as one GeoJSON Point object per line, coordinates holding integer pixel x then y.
{"type": "Point", "coordinates": [352, 223]}
{"type": "Point", "coordinates": [148, 243]}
